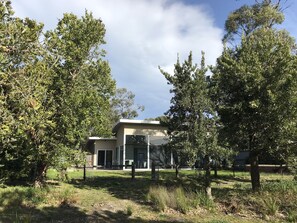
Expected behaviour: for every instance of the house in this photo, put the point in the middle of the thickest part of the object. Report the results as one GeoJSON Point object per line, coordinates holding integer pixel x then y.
{"type": "Point", "coordinates": [135, 141]}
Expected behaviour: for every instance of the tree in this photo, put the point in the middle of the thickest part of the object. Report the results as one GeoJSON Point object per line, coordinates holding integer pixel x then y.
{"type": "Point", "coordinates": [246, 19]}
{"type": "Point", "coordinates": [53, 93]}
{"type": "Point", "coordinates": [256, 91]}
{"type": "Point", "coordinates": [191, 119]}
{"type": "Point", "coordinates": [122, 105]}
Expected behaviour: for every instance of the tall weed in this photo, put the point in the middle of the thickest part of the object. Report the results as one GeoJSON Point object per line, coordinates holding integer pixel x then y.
{"type": "Point", "coordinates": [182, 201]}
{"type": "Point", "coordinates": [178, 199]}
{"type": "Point", "coordinates": [270, 205]}
{"type": "Point", "coordinates": [159, 196]}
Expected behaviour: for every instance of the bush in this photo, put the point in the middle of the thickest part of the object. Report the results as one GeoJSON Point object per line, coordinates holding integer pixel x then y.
{"type": "Point", "coordinates": [159, 196]}
{"type": "Point", "coordinates": [129, 210]}
{"type": "Point", "coordinates": [177, 199]}
{"type": "Point", "coordinates": [270, 205]}
{"type": "Point", "coordinates": [182, 201]}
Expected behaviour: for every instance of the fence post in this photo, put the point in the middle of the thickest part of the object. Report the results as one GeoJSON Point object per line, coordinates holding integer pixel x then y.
{"type": "Point", "coordinates": [84, 172]}
{"type": "Point", "coordinates": [133, 171]}
{"type": "Point", "coordinates": [153, 170]}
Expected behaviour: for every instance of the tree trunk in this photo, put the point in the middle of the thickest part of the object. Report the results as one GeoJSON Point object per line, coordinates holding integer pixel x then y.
{"type": "Point", "coordinates": [215, 169]}
{"type": "Point", "coordinates": [207, 178]}
{"type": "Point", "coordinates": [85, 175]}
{"type": "Point", "coordinates": [39, 174]}
{"type": "Point", "coordinates": [255, 173]}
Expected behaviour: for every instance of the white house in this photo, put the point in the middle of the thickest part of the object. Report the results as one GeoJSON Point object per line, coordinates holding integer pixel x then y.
{"type": "Point", "coordinates": [138, 141]}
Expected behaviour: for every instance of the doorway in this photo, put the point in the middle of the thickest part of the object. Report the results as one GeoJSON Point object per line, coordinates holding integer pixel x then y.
{"type": "Point", "coordinates": [105, 158]}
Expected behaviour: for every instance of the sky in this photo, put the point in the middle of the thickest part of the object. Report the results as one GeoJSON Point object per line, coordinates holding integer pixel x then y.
{"type": "Point", "coordinates": [142, 35]}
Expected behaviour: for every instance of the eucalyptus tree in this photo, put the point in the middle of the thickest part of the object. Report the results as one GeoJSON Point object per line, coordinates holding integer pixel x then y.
{"type": "Point", "coordinates": [53, 93]}
{"type": "Point", "coordinates": [191, 119]}
{"type": "Point", "coordinates": [23, 80]}
{"type": "Point", "coordinates": [256, 84]}
{"type": "Point", "coordinates": [123, 105]}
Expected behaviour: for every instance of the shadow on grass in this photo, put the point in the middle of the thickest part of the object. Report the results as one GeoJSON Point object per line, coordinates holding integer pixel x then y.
{"type": "Point", "coordinates": [121, 217]}
{"type": "Point", "coordinates": [13, 208]}
{"type": "Point", "coordinates": [122, 188]}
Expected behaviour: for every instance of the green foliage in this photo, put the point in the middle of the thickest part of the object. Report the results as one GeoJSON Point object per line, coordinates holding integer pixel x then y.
{"type": "Point", "coordinates": [256, 84]}
{"type": "Point", "coordinates": [122, 105]}
{"type": "Point", "coordinates": [292, 216]}
{"type": "Point", "coordinates": [178, 199]}
{"type": "Point", "coordinates": [159, 196]}
{"type": "Point", "coordinates": [182, 202]}
{"type": "Point", "coordinates": [191, 120]}
{"type": "Point", "coordinates": [247, 19]}
{"type": "Point", "coordinates": [53, 94]}
{"type": "Point", "coordinates": [129, 210]}
{"type": "Point", "coordinates": [292, 164]}
{"type": "Point", "coordinates": [270, 205]}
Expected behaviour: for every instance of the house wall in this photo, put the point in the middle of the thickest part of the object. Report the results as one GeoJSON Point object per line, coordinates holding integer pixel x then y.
{"type": "Point", "coordinates": [134, 129]}
{"type": "Point", "coordinates": [151, 130]}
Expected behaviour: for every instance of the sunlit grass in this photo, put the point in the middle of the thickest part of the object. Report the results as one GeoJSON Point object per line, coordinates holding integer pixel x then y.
{"type": "Point", "coordinates": [114, 195]}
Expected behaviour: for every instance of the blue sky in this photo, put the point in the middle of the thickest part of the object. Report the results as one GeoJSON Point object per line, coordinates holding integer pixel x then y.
{"type": "Point", "coordinates": [144, 34]}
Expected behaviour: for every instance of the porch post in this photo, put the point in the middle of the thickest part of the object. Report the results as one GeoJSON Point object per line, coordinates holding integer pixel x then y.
{"type": "Point", "coordinates": [124, 151]}
{"type": "Point", "coordinates": [105, 159]}
{"type": "Point", "coordinates": [95, 156]}
{"type": "Point", "coordinates": [171, 159]}
{"type": "Point", "coordinates": [148, 152]}
{"type": "Point", "coordinates": [119, 154]}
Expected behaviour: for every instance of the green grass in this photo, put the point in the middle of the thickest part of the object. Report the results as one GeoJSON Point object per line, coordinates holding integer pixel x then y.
{"type": "Point", "coordinates": [112, 196]}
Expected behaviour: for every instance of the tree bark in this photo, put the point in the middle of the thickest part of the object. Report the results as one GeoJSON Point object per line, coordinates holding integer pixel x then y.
{"type": "Point", "coordinates": [39, 174]}
{"type": "Point", "coordinates": [207, 178]}
{"type": "Point", "coordinates": [254, 171]}
{"type": "Point", "coordinates": [215, 168]}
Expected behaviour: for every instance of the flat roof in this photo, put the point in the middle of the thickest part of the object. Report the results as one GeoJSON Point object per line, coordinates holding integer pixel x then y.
{"type": "Point", "coordinates": [103, 139]}
{"type": "Point", "coordinates": [137, 122]}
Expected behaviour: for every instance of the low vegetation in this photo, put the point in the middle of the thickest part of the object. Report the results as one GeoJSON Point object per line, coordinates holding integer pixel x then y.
{"type": "Point", "coordinates": [111, 196]}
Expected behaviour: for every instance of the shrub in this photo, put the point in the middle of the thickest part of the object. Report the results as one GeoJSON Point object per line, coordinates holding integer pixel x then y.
{"type": "Point", "coordinates": [182, 202]}
{"type": "Point", "coordinates": [292, 216]}
{"type": "Point", "coordinates": [159, 196]}
{"type": "Point", "coordinates": [199, 198]}
{"type": "Point", "coordinates": [129, 210]}
{"type": "Point", "coordinates": [177, 199]}
{"type": "Point", "coordinates": [280, 186]}
{"type": "Point", "coordinates": [270, 205]}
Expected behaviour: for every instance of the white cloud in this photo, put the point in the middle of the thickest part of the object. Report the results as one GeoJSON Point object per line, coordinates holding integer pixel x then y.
{"type": "Point", "coordinates": [141, 35]}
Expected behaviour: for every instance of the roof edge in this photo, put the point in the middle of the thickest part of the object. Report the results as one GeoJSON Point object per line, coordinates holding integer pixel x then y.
{"type": "Point", "coordinates": [130, 121]}
{"type": "Point", "coordinates": [100, 138]}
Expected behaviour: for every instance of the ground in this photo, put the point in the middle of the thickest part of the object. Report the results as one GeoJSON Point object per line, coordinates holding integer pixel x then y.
{"type": "Point", "coordinates": [112, 196]}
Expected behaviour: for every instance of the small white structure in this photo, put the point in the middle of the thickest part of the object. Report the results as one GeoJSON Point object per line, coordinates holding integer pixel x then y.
{"type": "Point", "coordinates": [135, 141]}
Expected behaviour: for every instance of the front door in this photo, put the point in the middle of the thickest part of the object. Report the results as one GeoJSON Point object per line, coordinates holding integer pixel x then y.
{"type": "Point", "coordinates": [101, 158]}
{"type": "Point", "coordinates": [108, 160]}
{"type": "Point", "coordinates": [140, 158]}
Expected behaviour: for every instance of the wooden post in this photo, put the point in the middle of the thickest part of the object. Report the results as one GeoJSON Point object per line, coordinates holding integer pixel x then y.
{"type": "Point", "coordinates": [153, 170]}
{"type": "Point", "coordinates": [84, 172]}
{"type": "Point", "coordinates": [133, 171]}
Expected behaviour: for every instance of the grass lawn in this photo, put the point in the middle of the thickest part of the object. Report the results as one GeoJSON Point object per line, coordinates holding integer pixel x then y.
{"type": "Point", "coordinates": [112, 196]}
